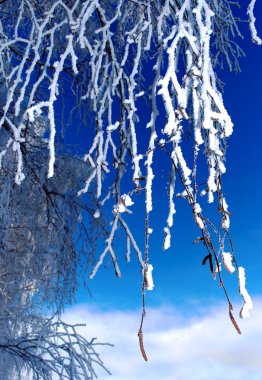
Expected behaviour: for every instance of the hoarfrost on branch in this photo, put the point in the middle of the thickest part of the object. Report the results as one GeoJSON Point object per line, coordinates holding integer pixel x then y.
{"type": "Point", "coordinates": [103, 51]}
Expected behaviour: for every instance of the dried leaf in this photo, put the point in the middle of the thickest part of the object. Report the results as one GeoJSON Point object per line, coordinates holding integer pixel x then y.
{"type": "Point", "coordinates": [234, 321]}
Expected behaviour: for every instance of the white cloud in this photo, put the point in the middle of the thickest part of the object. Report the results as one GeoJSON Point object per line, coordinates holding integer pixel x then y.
{"type": "Point", "coordinates": [204, 347]}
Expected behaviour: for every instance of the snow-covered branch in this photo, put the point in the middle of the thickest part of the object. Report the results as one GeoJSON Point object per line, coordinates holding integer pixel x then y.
{"type": "Point", "coordinates": [250, 11]}
{"type": "Point", "coordinates": [54, 350]}
{"type": "Point", "coordinates": [142, 74]}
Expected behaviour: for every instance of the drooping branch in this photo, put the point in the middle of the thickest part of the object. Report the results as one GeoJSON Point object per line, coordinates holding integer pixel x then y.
{"type": "Point", "coordinates": [149, 73]}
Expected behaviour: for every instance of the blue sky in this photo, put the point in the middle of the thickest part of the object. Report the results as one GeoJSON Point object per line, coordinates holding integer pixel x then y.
{"type": "Point", "coordinates": [186, 299]}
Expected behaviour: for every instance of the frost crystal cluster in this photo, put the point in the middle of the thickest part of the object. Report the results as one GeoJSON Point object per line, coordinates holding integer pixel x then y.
{"type": "Point", "coordinates": [141, 73]}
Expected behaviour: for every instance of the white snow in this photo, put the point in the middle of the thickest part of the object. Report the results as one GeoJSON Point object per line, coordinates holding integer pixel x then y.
{"type": "Point", "coordinates": [96, 214]}
{"type": "Point", "coordinates": [197, 208]}
{"type": "Point", "coordinates": [248, 304]}
{"type": "Point", "coordinates": [199, 221]}
{"type": "Point", "coordinates": [127, 200]}
{"type": "Point", "coordinates": [149, 277]}
{"type": "Point", "coordinates": [167, 238]}
{"type": "Point", "coordinates": [227, 261]}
